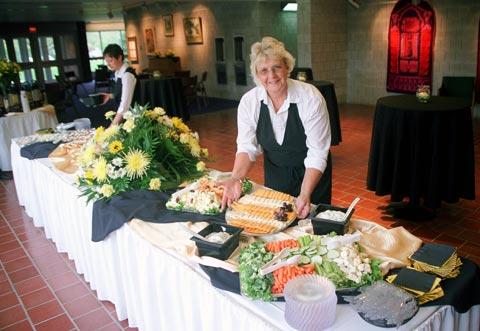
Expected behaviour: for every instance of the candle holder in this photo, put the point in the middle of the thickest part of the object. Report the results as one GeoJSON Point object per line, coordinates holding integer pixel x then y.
{"type": "Point", "coordinates": [423, 93]}
{"type": "Point", "coordinates": [301, 76]}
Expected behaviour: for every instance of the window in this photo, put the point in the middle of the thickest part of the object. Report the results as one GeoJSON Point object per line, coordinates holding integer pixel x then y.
{"type": "Point", "coordinates": [49, 73]}
{"type": "Point", "coordinates": [98, 40]}
{"type": "Point", "coordinates": [47, 49]}
{"type": "Point", "coordinates": [3, 49]}
{"type": "Point", "coordinates": [27, 75]}
{"type": "Point", "coordinates": [23, 51]}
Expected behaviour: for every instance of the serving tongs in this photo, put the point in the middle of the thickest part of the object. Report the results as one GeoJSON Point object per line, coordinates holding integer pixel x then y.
{"type": "Point", "coordinates": [277, 263]}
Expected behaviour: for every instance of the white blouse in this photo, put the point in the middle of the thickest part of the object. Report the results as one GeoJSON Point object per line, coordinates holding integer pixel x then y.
{"type": "Point", "coordinates": [313, 113]}
{"type": "Point", "coordinates": [128, 87]}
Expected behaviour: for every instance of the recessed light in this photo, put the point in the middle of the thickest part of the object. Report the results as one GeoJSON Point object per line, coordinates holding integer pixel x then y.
{"type": "Point", "coordinates": [290, 6]}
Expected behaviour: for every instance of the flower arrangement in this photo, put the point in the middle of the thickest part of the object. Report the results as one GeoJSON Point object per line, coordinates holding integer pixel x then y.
{"type": "Point", "coordinates": [169, 53]}
{"type": "Point", "coordinates": [8, 72]}
{"type": "Point", "coordinates": [149, 150]}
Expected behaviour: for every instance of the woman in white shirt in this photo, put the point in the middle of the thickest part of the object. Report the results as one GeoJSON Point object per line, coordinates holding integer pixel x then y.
{"type": "Point", "coordinates": [125, 80]}
{"type": "Point", "coordinates": [287, 121]}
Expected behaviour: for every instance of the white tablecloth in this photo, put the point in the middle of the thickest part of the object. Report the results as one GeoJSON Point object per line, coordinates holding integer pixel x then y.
{"type": "Point", "coordinates": [19, 125]}
{"type": "Point", "coordinates": [156, 289]}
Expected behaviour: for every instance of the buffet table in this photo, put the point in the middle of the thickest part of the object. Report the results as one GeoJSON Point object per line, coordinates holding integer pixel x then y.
{"type": "Point", "coordinates": [16, 125]}
{"type": "Point", "coordinates": [155, 288]}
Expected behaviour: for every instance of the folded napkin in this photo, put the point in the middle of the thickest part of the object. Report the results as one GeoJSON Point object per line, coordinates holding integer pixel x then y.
{"type": "Point", "coordinates": [65, 156]}
{"type": "Point", "coordinates": [438, 259]}
{"type": "Point", "coordinates": [38, 150]}
{"type": "Point", "coordinates": [425, 287]}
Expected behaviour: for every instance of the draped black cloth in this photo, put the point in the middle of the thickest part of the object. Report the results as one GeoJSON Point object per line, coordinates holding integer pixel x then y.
{"type": "Point", "coordinates": [461, 292]}
{"type": "Point", "coordinates": [422, 150]}
{"type": "Point", "coordinates": [38, 150]}
{"type": "Point", "coordinates": [328, 91]}
{"type": "Point", "coordinates": [149, 206]}
{"type": "Point", "coordinates": [166, 93]}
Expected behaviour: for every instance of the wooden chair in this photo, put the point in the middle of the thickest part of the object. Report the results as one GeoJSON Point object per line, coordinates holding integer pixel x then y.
{"type": "Point", "coordinates": [459, 87]}
{"type": "Point", "coordinates": [200, 88]}
{"type": "Point", "coordinates": [189, 85]}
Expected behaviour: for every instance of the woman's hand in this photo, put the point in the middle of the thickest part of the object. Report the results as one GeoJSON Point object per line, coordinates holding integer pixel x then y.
{"type": "Point", "coordinates": [303, 206]}
{"type": "Point", "coordinates": [106, 97]}
{"type": "Point", "coordinates": [232, 189]}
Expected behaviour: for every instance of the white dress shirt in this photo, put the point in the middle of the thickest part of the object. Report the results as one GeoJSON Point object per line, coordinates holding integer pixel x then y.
{"type": "Point", "coordinates": [128, 87]}
{"type": "Point", "coordinates": [313, 113]}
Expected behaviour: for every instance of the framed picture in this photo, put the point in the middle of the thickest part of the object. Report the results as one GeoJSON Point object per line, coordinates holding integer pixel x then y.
{"type": "Point", "coordinates": [193, 30]}
{"type": "Point", "coordinates": [150, 41]}
{"type": "Point", "coordinates": [168, 24]}
{"type": "Point", "coordinates": [132, 49]}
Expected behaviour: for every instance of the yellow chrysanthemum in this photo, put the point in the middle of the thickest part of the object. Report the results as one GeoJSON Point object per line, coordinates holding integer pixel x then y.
{"type": "Point", "coordinates": [205, 152]}
{"type": "Point", "coordinates": [159, 111]}
{"type": "Point", "coordinates": [110, 114]}
{"type": "Point", "coordinates": [115, 146]}
{"type": "Point", "coordinates": [100, 169]}
{"type": "Point", "coordinates": [129, 125]}
{"type": "Point", "coordinates": [200, 166]}
{"type": "Point", "coordinates": [107, 190]}
{"type": "Point", "coordinates": [99, 134]}
{"type": "Point", "coordinates": [184, 138]}
{"type": "Point", "coordinates": [178, 123]}
{"type": "Point", "coordinates": [89, 174]}
{"type": "Point", "coordinates": [111, 131]}
{"type": "Point", "coordinates": [155, 184]}
{"type": "Point", "coordinates": [195, 150]}
{"type": "Point", "coordinates": [137, 163]}
{"type": "Point", "coordinates": [87, 155]}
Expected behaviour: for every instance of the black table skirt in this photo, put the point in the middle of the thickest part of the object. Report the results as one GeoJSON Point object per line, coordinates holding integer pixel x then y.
{"type": "Point", "coordinates": [166, 93]}
{"type": "Point", "coordinates": [328, 91]}
{"type": "Point", "coordinates": [422, 151]}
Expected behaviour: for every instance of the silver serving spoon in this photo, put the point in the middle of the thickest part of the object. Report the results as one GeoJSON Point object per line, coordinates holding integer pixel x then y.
{"type": "Point", "coordinates": [352, 205]}
{"type": "Point", "coordinates": [196, 235]}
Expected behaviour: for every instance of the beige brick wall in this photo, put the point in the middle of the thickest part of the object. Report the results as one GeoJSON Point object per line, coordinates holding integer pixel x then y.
{"type": "Point", "coordinates": [455, 48]}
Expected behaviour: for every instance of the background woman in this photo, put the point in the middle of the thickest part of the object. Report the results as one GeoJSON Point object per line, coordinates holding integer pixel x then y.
{"type": "Point", "coordinates": [125, 80]}
{"type": "Point", "coordinates": [287, 121]}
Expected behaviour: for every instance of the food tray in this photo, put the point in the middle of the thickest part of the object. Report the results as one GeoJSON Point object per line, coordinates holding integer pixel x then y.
{"type": "Point", "coordinates": [252, 212]}
{"type": "Point", "coordinates": [219, 251]}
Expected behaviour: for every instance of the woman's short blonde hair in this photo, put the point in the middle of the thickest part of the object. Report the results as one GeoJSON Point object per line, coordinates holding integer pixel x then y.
{"type": "Point", "coordinates": [269, 48]}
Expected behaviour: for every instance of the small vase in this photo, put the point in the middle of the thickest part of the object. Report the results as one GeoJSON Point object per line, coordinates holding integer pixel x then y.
{"type": "Point", "coordinates": [423, 93]}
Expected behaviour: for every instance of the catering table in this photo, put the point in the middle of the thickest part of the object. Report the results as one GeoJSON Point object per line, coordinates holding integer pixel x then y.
{"type": "Point", "coordinates": [22, 124]}
{"type": "Point", "coordinates": [156, 288]}
{"type": "Point", "coordinates": [328, 91]}
{"type": "Point", "coordinates": [422, 150]}
{"type": "Point", "coordinates": [164, 92]}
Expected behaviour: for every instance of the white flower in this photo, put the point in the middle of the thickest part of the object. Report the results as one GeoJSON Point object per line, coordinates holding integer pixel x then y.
{"type": "Point", "coordinates": [127, 115]}
{"type": "Point", "coordinates": [117, 162]}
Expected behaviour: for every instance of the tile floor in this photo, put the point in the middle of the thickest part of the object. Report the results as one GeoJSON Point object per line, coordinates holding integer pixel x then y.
{"type": "Point", "coordinates": [39, 288]}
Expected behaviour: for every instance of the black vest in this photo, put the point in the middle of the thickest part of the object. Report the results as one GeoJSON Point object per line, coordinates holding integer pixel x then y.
{"type": "Point", "coordinates": [117, 89]}
{"type": "Point", "coordinates": [284, 164]}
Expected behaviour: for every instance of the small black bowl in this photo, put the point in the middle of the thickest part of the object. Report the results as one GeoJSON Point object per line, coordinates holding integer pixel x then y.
{"type": "Point", "coordinates": [325, 226]}
{"type": "Point", "coordinates": [218, 251]}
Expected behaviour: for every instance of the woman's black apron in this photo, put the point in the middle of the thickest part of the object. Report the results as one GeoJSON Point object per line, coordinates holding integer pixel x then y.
{"type": "Point", "coordinates": [117, 88]}
{"type": "Point", "coordinates": [284, 164]}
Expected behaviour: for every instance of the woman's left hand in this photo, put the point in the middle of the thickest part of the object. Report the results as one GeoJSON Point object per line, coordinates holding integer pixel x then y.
{"type": "Point", "coordinates": [303, 206]}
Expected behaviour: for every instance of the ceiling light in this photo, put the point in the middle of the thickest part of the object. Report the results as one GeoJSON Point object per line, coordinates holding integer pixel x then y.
{"type": "Point", "coordinates": [290, 6]}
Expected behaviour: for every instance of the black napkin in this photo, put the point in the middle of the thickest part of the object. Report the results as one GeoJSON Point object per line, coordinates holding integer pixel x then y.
{"type": "Point", "coordinates": [38, 150]}
{"type": "Point", "coordinates": [433, 254]}
{"type": "Point", "coordinates": [415, 280]}
{"type": "Point", "coordinates": [149, 206]}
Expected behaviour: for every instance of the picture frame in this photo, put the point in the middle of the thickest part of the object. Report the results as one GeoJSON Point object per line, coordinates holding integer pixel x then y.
{"type": "Point", "coordinates": [168, 25]}
{"type": "Point", "coordinates": [193, 30]}
{"type": "Point", "coordinates": [150, 41]}
{"type": "Point", "coordinates": [132, 49]}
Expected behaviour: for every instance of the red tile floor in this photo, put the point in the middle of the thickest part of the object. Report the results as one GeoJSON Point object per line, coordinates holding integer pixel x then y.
{"type": "Point", "coordinates": [39, 288]}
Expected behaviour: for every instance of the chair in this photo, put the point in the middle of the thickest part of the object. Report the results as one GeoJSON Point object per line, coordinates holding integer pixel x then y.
{"type": "Point", "coordinates": [182, 73]}
{"type": "Point", "coordinates": [102, 78]}
{"type": "Point", "coordinates": [189, 85]}
{"type": "Point", "coordinates": [200, 88]}
{"type": "Point", "coordinates": [56, 96]}
{"type": "Point", "coordinates": [459, 86]}
{"type": "Point", "coordinates": [308, 72]}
